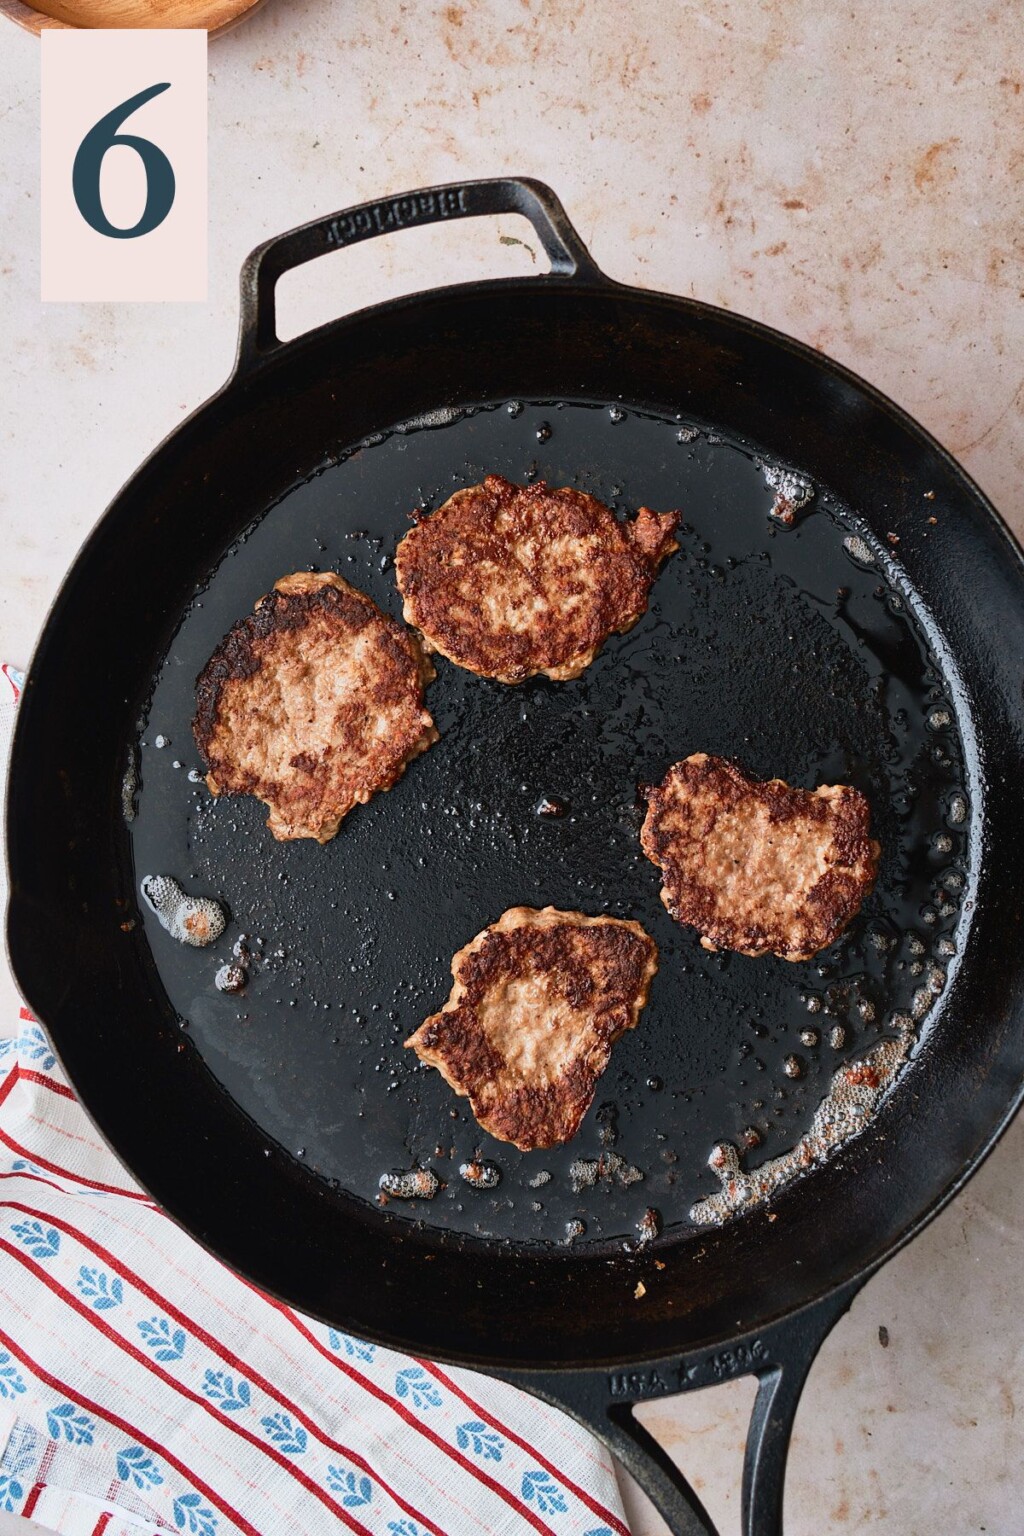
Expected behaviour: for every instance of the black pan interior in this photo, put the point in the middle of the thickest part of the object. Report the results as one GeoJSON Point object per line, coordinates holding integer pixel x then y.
{"type": "Point", "coordinates": [779, 647]}
{"type": "Point", "coordinates": [95, 981]}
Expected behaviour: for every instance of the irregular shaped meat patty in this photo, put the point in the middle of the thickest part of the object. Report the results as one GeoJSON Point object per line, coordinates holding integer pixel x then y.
{"type": "Point", "coordinates": [761, 868]}
{"type": "Point", "coordinates": [511, 580]}
{"type": "Point", "coordinates": [540, 997]}
{"type": "Point", "coordinates": [312, 703]}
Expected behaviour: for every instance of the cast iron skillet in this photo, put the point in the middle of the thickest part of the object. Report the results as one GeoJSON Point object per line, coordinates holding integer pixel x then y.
{"type": "Point", "coordinates": [756, 1295]}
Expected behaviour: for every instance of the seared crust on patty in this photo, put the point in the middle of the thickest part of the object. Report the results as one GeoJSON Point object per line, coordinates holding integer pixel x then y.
{"type": "Point", "coordinates": [511, 580]}
{"type": "Point", "coordinates": [539, 999]}
{"type": "Point", "coordinates": [312, 703]}
{"type": "Point", "coordinates": [758, 867]}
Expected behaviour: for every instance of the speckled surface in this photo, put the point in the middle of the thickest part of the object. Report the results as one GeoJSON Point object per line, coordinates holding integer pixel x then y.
{"type": "Point", "coordinates": [850, 177]}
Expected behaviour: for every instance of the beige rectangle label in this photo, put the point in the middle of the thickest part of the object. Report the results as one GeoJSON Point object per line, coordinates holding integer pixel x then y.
{"type": "Point", "coordinates": [123, 220]}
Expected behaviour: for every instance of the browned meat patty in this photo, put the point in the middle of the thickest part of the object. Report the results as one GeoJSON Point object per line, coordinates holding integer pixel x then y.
{"type": "Point", "coordinates": [511, 580]}
{"type": "Point", "coordinates": [312, 703]}
{"type": "Point", "coordinates": [540, 998]}
{"type": "Point", "coordinates": [761, 868]}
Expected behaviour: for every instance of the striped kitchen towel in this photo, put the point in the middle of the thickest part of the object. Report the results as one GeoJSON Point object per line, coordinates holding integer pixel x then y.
{"type": "Point", "coordinates": [144, 1387]}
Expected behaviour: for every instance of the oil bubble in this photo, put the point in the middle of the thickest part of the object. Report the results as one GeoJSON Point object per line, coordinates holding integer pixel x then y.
{"type": "Point", "coordinates": [649, 1225]}
{"type": "Point", "coordinates": [481, 1175]}
{"type": "Point", "coordinates": [192, 920]}
{"type": "Point", "coordinates": [231, 978]}
{"type": "Point", "coordinates": [410, 1184]}
{"type": "Point", "coordinates": [793, 492]}
{"type": "Point", "coordinates": [858, 549]}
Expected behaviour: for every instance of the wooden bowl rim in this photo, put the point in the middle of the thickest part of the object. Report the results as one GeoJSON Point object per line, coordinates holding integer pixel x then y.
{"type": "Point", "coordinates": [37, 21]}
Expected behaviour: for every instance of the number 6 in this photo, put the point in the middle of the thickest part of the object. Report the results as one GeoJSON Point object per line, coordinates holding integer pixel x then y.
{"type": "Point", "coordinates": [85, 174]}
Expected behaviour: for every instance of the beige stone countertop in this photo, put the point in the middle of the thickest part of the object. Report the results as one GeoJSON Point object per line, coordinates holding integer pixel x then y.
{"type": "Point", "coordinates": [849, 175]}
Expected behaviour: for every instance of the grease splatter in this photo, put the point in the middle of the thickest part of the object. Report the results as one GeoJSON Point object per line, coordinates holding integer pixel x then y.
{"type": "Point", "coordinates": [853, 1094]}
{"type": "Point", "coordinates": [192, 920]}
{"type": "Point", "coordinates": [410, 1184]}
{"type": "Point", "coordinates": [481, 1175]}
{"type": "Point", "coordinates": [793, 492]}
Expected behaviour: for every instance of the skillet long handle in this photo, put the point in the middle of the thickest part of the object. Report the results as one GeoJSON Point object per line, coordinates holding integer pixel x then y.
{"type": "Point", "coordinates": [780, 1358]}
{"type": "Point", "coordinates": [569, 257]}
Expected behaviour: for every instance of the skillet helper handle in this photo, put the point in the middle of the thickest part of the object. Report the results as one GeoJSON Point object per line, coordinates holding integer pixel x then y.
{"type": "Point", "coordinates": [568, 255]}
{"type": "Point", "coordinates": [780, 1357]}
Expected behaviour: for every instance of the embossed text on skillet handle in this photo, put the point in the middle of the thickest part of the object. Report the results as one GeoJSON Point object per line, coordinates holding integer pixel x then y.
{"type": "Point", "coordinates": [779, 1356]}
{"type": "Point", "coordinates": [565, 250]}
